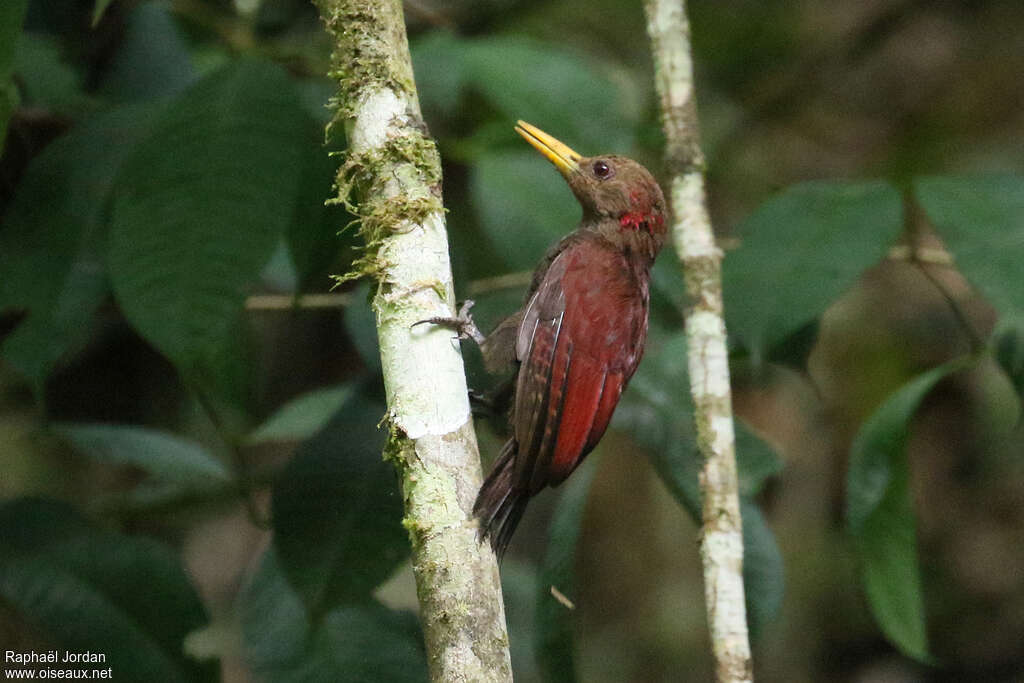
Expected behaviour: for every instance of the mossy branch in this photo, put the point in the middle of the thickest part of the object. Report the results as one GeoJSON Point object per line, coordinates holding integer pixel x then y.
{"type": "Point", "coordinates": [722, 529]}
{"type": "Point", "coordinates": [391, 179]}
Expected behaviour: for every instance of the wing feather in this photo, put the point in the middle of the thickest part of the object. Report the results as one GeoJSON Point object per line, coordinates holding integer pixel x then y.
{"type": "Point", "coordinates": [613, 385]}
{"type": "Point", "coordinates": [587, 379]}
{"type": "Point", "coordinates": [579, 341]}
{"type": "Point", "coordinates": [533, 398]}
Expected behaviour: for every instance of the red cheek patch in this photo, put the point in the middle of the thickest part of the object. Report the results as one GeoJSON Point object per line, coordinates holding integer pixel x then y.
{"type": "Point", "coordinates": [649, 222]}
{"type": "Point", "coordinates": [632, 219]}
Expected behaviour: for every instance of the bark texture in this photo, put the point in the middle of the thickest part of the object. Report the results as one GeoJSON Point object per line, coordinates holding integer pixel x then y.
{"type": "Point", "coordinates": [393, 173]}
{"type": "Point", "coordinates": [722, 531]}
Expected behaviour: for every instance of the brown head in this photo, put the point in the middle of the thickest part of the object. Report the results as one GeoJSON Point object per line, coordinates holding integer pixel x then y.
{"type": "Point", "coordinates": [620, 198]}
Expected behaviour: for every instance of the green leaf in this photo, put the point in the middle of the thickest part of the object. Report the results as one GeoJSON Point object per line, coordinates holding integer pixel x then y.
{"type": "Point", "coordinates": [98, 10]}
{"type": "Point", "coordinates": [887, 548]}
{"type": "Point", "coordinates": [880, 513]}
{"type": "Point", "coordinates": [981, 220]}
{"type": "Point", "coordinates": [152, 58]}
{"type": "Point", "coordinates": [763, 571]}
{"type": "Point", "coordinates": [279, 274]}
{"type": "Point", "coordinates": [9, 101]}
{"type": "Point", "coordinates": [525, 79]}
{"type": "Point", "coordinates": [764, 577]}
{"type": "Point", "coordinates": [519, 590]}
{"type": "Point", "coordinates": [558, 571]}
{"type": "Point", "coordinates": [89, 589]}
{"type": "Point", "coordinates": [1008, 348]}
{"type": "Point", "coordinates": [50, 248]}
{"type": "Point", "coordinates": [877, 455]}
{"type": "Point", "coordinates": [164, 457]}
{"type": "Point", "coordinates": [302, 417]}
{"type": "Point", "coordinates": [12, 14]}
{"type": "Point", "coordinates": [668, 290]}
{"type": "Point", "coordinates": [200, 207]}
{"type": "Point", "coordinates": [439, 60]}
{"type": "Point", "coordinates": [800, 251]}
{"type": "Point", "coordinates": [45, 80]}
{"type": "Point", "coordinates": [523, 207]}
{"type": "Point", "coordinates": [555, 90]}
{"type": "Point", "coordinates": [337, 510]}
{"type": "Point", "coordinates": [361, 326]}
{"type": "Point", "coordinates": [317, 234]}
{"type": "Point", "coordinates": [658, 411]}
{"type": "Point", "coordinates": [367, 642]}
{"type": "Point", "coordinates": [755, 459]}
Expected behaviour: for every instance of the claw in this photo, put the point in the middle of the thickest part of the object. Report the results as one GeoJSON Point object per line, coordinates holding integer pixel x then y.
{"type": "Point", "coordinates": [462, 324]}
{"type": "Point", "coordinates": [464, 309]}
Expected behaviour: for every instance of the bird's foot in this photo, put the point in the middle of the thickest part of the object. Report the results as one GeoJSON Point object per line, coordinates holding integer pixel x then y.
{"type": "Point", "coordinates": [462, 324]}
{"type": "Point", "coordinates": [496, 401]}
{"type": "Point", "coordinates": [481, 404]}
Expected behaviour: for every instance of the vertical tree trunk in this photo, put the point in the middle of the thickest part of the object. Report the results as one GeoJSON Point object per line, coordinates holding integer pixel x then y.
{"type": "Point", "coordinates": [393, 171]}
{"type": "Point", "coordinates": [722, 530]}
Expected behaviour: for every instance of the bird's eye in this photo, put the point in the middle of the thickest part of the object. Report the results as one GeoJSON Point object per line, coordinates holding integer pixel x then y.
{"type": "Point", "coordinates": [602, 169]}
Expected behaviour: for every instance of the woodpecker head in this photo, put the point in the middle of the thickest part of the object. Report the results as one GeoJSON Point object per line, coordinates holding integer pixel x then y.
{"type": "Point", "coordinates": [613, 190]}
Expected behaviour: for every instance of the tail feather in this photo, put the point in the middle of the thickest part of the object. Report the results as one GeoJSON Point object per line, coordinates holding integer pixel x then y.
{"type": "Point", "coordinates": [499, 506]}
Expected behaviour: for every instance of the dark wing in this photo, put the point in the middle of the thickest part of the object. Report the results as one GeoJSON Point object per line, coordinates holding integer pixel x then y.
{"type": "Point", "coordinates": [579, 342]}
{"type": "Point", "coordinates": [498, 348]}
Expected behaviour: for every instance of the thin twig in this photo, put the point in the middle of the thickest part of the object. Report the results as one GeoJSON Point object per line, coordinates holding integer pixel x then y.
{"type": "Point", "coordinates": [923, 250]}
{"type": "Point", "coordinates": [287, 302]}
{"type": "Point", "coordinates": [974, 339]}
{"type": "Point", "coordinates": [231, 439]}
{"type": "Point", "coordinates": [498, 282]}
{"type": "Point", "coordinates": [284, 302]}
{"type": "Point", "coordinates": [722, 530]}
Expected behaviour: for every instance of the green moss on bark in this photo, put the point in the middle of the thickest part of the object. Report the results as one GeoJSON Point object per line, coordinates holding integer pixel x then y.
{"type": "Point", "coordinates": [366, 34]}
{"type": "Point", "coordinates": [389, 188]}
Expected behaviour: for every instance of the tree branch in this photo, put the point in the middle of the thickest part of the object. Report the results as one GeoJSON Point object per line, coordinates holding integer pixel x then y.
{"type": "Point", "coordinates": [722, 531]}
{"type": "Point", "coordinates": [394, 172]}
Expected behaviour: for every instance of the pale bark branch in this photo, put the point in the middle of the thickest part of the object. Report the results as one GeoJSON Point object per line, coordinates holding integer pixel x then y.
{"type": "Point", "coordinates": [722, 530]}
{"type": "Point", "coordinates": [393, 173]}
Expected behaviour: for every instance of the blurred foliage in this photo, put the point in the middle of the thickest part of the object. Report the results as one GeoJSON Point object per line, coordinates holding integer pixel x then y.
{"type": "Point", "coordinates": [880, 514]}
{"type": "Point", "coordinates": [360, 642]}
{"type": "Point", "coordinates": [11, 16]}
{"type": "Point", "coordinates": [97, 590]}
{"type": "Point", "coordinates": [822, 232]}
{"type": "Point", "coordinates": [54, 229]}
{"type": "Point", "coordinates": [979, 217]}
{"type": "Point", "coordinates": [192, 476]}
{"type": "Point", "coordinates": [226, 154]}
{"type": "Point", "coordinates": [557, 573]}
{"type": "Point", "coordinates": [338, 517]}
{"type": "Point", "coordinates": [174, 467]}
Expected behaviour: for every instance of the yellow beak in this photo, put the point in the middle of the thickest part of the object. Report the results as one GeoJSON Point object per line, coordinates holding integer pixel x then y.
{"type": "Point", "coordinates": [557, 152]}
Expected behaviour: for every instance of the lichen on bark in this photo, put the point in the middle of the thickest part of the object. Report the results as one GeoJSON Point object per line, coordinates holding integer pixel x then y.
{"type": "Point", "coordinates": [391, 178]}
{"type": "Point", "coordinates": [722, 530]}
